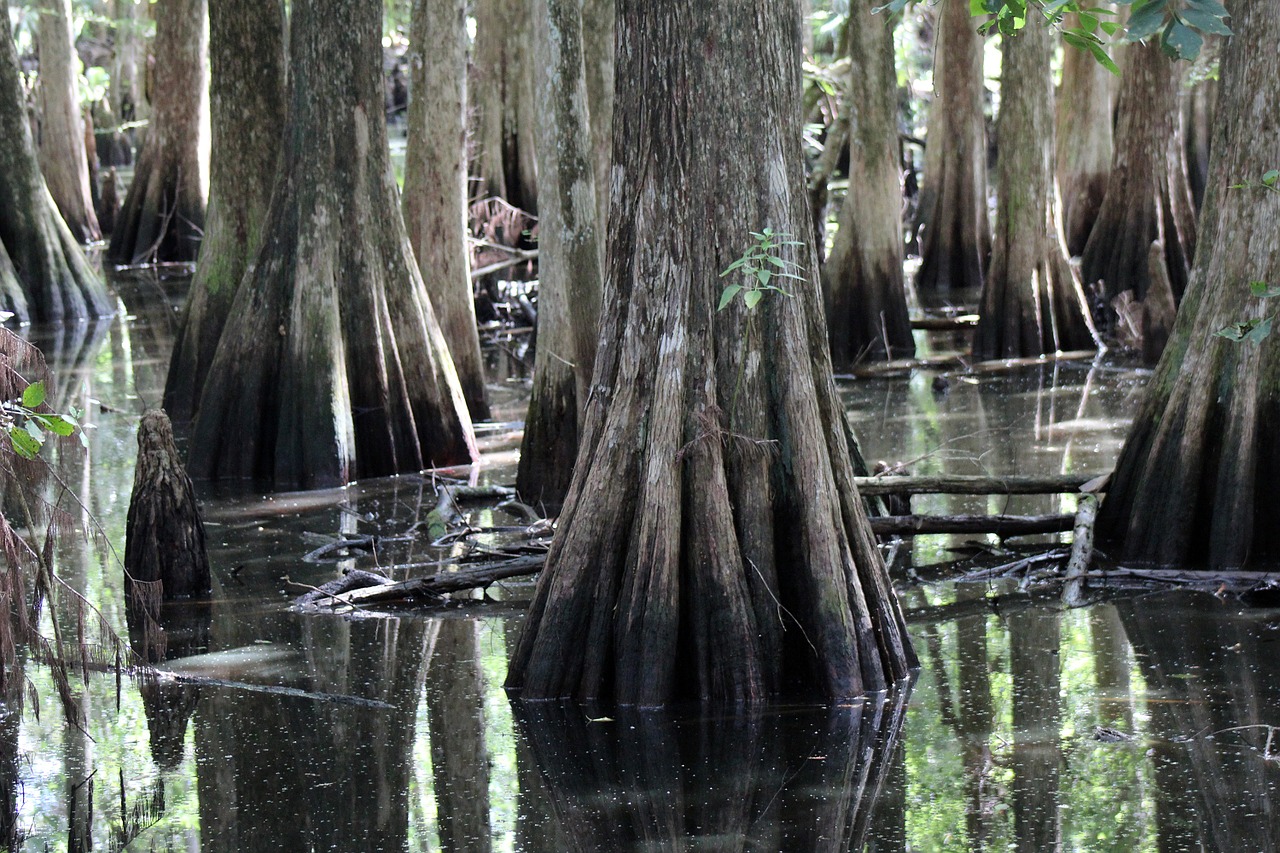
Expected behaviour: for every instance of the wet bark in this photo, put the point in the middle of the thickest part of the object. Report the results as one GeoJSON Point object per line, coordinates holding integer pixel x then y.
{"type": "Point", "coordinates": [503, 105]}
{"type": "Point", "coordinates": [332, 365]}
{"type": "Point", "coordinates": [1032, 303]}
{"type": "Point", "coordinates": [62, 152]}
{"type": "Point", "coordinates": [435, 177]}
{"type": "Point", "coordinates": [956, 241]}
{"type": "Point", "coordinates": [866, 301]}
{"type": "Point", "coordinates": [43, 271]}
{"type": "Point", "coordinates": [247, 108]}
{"type": "Point", "coordinates": [1148, 197]}
{"type": "Point", "coordinates": [713, 544]}
{"type": "Point", "coordinates": [1083, 127]}
{"type": "Point", "coordinates": [1194, 482]}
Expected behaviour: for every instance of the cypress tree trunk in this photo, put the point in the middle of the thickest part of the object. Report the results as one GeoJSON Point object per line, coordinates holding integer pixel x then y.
{"type": "Point", "coordinates": [247, 107]}
{"type": "Point", "coordinates": [163, 214]}
{"type": "Point", "coordinates": [43, 272]}
{"type": "Point", "coordinates": [956, 242]}
{"type": "Point", "coordinates": [62, 154]}
{"type": "Point", "coordinates": [1032, 302]}
{"type": "Point", "coordinates": [598, 18]}
{"type": "Point", "coordinates": [127, 98]}
{"type": "Point", "coordinates": [569, 259]}
{"type": "Point", "coordinates": [1084, 140]}
{"type": "Point", "coordinates": [1198, 107]}
{"type": "Point", "coordinates": [1148, 197]}
{"type": "Point", "coordinates": [504, 109]}
{"type": "Point", "coordinates": [332, 365]}
{"type": "Point", "coordinates": [1195, 482]}
{"type": "Point", "coordinates": [866, 300]}
{"type": "Point", "coordinates": [435, 177]}
{"type": "Point", "coordinates": [713, 544]}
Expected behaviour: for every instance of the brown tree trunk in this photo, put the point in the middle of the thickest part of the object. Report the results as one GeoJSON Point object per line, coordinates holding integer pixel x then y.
{"type": "Point", "coordinates": [956, 241]}
{"type": "Point", "coordinates": [865, 297]}
{"type": "Point", "coordinates": [503, 103]}
{"type": "Point", "coordinates": [62, 154]}
{"type": "Point", "coordinates": [1032, 302]}
{"type": "Point", "coordinates": [332, 365]}
{"type": "Point", "coordinates": [1195, 482]}
{"type": "Point", "coordinates": [1198, 108]}
{"type": "Point", "coordinates": [163, 214]}
{"type": "Point", "coordinates": [435, 178]}
{"type": "Point", "coordinates": [598, 18]}
{"type": "Point", "coordinates": [127, 98]}
{"type": "Point", "coordinates": [1084, 110]}
{"type": "Point", "coordinates": [43, 272]}
{"type": "Point", "coordinates": [713, 544]}
{"type": "Point", "coordinates": [1148, 197]}
{"type": "Point", "coordinates": [570, 255]}
{"type": "Point", "coordinates": [247, 106]}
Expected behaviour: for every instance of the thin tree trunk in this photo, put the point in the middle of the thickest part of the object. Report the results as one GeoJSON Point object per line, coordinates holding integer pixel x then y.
{"type": "Point", "coordinates": [1195, 482]}
{"type": "Point", "coordinates": [713, 544]}
{"type": "Point", "coordinates": [1032, 303]}
{"type": "Point", "coordinates": [1084, 111]}
{"type": "Point", "coordinates": [956, 243]}
{"type": "Point", "coordinates": [435, 178]}
{"type": "Point", "coordinates": [504, 109]}
{"type": "Point", "coordinates": [866, 300]}
{"type": "Point", "coordinates": [247, 105]}
{"type": "Point", "coordinates": [127, 98]}
{"type": "Point", "coordinates": [163, 214]}
{"type": "Point", "coordinates": [43, 272]}
{"type": "Point", "coordinates": [62, 154]}
{"type": "Point", "coordinates": [332, 365]}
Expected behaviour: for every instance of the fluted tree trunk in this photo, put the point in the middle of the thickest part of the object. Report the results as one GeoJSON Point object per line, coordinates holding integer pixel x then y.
{"type": "Point", "coordinates": [332, 365]}
{"type": "Point", "coordinates": [713, 544]}
{"type": "Point", "coordinates": [435, 183]}
{"type": "Point", "coordinates": [1032, 303]}
{"type": "Point", "coordinates": [866, 299]}
{"type": "Point", "coordinates": [503, 107]}
{"type": "Point", "coordinates": [247, 110]}
{"type": "Point", "coordinates": [1083, 132]}
{"type": "Point", "coordinates": [956, 240]}
{"type": "Point", "coordinates": [163, 215]}
{"type": "Point", "coordinates": [62, 154]}
{"type": "Point", "coordinates": [1195, 484]}
{"type": "Point", "coordinates": [570, 255]}
{"type": "Point", "coordinates": [43, 271]}
{"type": "Point", "coordinates": [1148, 197]}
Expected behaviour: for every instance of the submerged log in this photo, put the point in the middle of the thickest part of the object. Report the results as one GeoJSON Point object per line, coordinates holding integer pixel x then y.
{"type": "Point", "coordinates": [1001, 525]}
{"type": "Point", "coordinates": [164, 537]}
{"type": "Point", "coordinates": [974, 485]}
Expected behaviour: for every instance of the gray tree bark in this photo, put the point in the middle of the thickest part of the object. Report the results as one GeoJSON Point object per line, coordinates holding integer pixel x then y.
{"type": "Point", "coordinates": [128, 100]}
{"type": "Point", "coordinates": [435, 177]}
{"type": "Point", "coordinates": [503, 106]}
{"type": "Point", "coordinates": [1083, 128]}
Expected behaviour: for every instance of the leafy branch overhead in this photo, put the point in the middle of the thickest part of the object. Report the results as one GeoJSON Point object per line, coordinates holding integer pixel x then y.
{"type": "Point", "coordinates": [28, 428]}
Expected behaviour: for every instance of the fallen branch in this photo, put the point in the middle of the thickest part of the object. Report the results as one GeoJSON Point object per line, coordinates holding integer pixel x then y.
{"type": "Point", "coordinates": [1081, 551]}
{"type": "Point", "coordinates": [447, 582]}
{"type": "Point", "coordinates": [972, 485]}
{"type": "Point", "coordinates": [962, 322]}
{"type": "Point", "coordinates": [1001, 525]}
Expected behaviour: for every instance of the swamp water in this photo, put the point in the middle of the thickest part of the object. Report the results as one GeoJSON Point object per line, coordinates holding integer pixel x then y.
{"type": "Point", "coordinates": [1139, 723]}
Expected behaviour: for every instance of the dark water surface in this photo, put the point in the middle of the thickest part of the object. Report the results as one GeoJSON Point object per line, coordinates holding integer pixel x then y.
{"type": "Point", "coordinates": [1139, 723]}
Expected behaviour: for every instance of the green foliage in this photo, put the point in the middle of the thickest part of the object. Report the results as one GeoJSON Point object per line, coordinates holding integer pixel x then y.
{"type": "Point", "coordinates": [761, 266]}
{"type": "Point", "coordinates": [1257, 330]}
{"type": "Point", "coordinates": [27, 428]}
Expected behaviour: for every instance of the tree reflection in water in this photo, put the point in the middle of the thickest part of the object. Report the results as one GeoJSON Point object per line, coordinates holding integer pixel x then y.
{"type": "Point", "coordinates": [795, 779]}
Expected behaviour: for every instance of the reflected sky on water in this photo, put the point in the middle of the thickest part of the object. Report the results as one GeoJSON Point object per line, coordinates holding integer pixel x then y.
{"type": "Point", "coordinates": [1139, 723]}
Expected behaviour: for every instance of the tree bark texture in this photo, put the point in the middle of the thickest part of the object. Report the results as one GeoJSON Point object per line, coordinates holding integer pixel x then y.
{"type": "Point", "coordinates": [956, 242]}
{"type": "Point", "coordinates": [247, 111]}
{"type": "Point", "coordinates": [598, 18]}
{"type": "Point", "coordinates": [128, 100]}
{"type": "Point", "coordinates": [163, 215]}
{"type": "Point", "coordinates": [1084, 117]}
{"type": "Point", "coordinates": [1198, 107]}
{"type": "Point", "coordinates": [43, 272]}
{"type": "Point", "coordinates": [1195, 483]}
{"type": "Point", "coordinates": [62, 154]}
{"type": "Point", "coordinates": [1148, 197]}
{"type": "Point", "coordinates": [332, 365]}
{"type": "Point", "coordinates": [1032, 303]}
{"type": "Point", "coordinates": [435, 183]}
{"type": "Point", "coordinates": [504, 111]}
{"type": "Point", "coordinates": [713, 544]}
{"type": "Point", "coordinates": [866, 300]}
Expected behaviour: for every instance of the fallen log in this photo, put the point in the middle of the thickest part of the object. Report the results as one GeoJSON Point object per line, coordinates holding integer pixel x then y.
{"type": "Point", "coordinates": [1081, 551]}
{"type": "Point", "coordinates": [963, 322]}
{"type": "Point", "coordinates": [972, 485]}
{"type": "Point", "coordinates": [1001, 525]}
{"type": "Point", "coordinates": [444, 582]}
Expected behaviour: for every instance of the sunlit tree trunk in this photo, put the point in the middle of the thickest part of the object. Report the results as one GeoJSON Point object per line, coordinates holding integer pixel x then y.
{"type": "Point", "coordinates": [1084, 111]}
{"type": "Point", "coordinates": [713, 544]}
{"type": "Point", "coordinates": [127, 98]}
{"type": "Point", "coordinates": [332, 365]}
{"type": "Point", "coordinates": [866, 301]}
{"type": "Point", "coordinates": [503, 107]}
{"type": "Point", "coordinates": [43, 272]}
{"type": "Point", "coordinates": [162, 218]}
{"type": "Point", "coordinates": [1195, 482]}
{"type": "Point", "coordinates": [1032, 302]}
{"type": "Point", "coordinates": [435, 177]}
{"type": "Point", "coordinates": [247, 104]}
{"type": "Point", "coordinates": [62, 154]}
{"type": "Point", "coordinates": [956, 240]}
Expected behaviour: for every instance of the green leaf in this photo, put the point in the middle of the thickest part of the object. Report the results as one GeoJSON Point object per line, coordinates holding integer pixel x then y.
{"type": "Point", "coordinates": [1111, 27]}
{"type": "Point", "coordinates": [1205, 22]}
{"type": "Point", "coordinates": [23, 444]}
{"type": "Point", "coordinates": [1262, 290]}
{"type": "Point", "coordinates": [726, 296]}
{"type": "Point", "coordinates": [733, 266]}
{"type": "Point", "coordinates": [33, 430]}
{"type": "Point", "coordinates": [763, 276]}
{"type": "Point", "coordinates": [55, 424]}
{"type": "Point", "coordinates": [1181, 42]}
{"type": "Point", "coordinates": [33, 395]}
{"type": "Point", "coordinates": [1212, 7]}
{"type": "Point", "coordinates": [1103, 58]}
{"type": "Point", "coordinates": [1146, 20]}
{"type": "Point", "coordinates": [1259, 332]}
{"type": "Point", "coordinates": [752, 298]}
{"type": "Point", "coordinates": [1235, 332]}
{"type": "Point", "coordinates": [1270, 177]}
